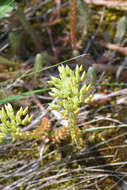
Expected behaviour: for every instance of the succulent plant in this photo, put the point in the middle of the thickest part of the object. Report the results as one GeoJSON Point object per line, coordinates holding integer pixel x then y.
{"type": "Point", "coordinates": [10, 122]}
{"type": "Point", "coordinates": [70, 93]}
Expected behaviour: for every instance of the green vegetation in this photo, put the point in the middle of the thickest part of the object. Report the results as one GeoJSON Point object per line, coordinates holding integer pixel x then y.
{"type": "Point", "coordinates": [10, 122]}
{"type": "Point", "coordinates": [6, 6]}
{"type": "Point", "coordinates": [70, 94]}
{"type": "Point", "coordinates": [65, 60]}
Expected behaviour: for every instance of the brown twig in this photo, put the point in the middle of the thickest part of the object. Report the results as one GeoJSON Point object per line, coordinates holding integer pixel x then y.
{"type": "Point", "coordinates": [115, 4]}
{"type": "Point", "coordinates": [58, 5]}
{"type": "Point", "coordinates": [117, 47]}
{"type": "Point", "coordinates": [52, 43]}
{"type": "Point", "coordinates": [73, 14]}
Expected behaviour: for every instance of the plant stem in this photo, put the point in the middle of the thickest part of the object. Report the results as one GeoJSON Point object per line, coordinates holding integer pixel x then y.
{"type": "Point", "coordinates": [73, 125]}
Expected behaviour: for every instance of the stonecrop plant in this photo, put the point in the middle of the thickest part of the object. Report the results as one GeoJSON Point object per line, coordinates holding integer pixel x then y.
{"type": "Point", "coordinates": [10, 122]}
{"type": "Point", "coordinates": [71, 89]}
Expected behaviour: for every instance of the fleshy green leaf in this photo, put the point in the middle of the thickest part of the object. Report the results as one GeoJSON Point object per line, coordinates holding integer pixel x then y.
{"type": "Point", "coordinates": [6, 6]}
